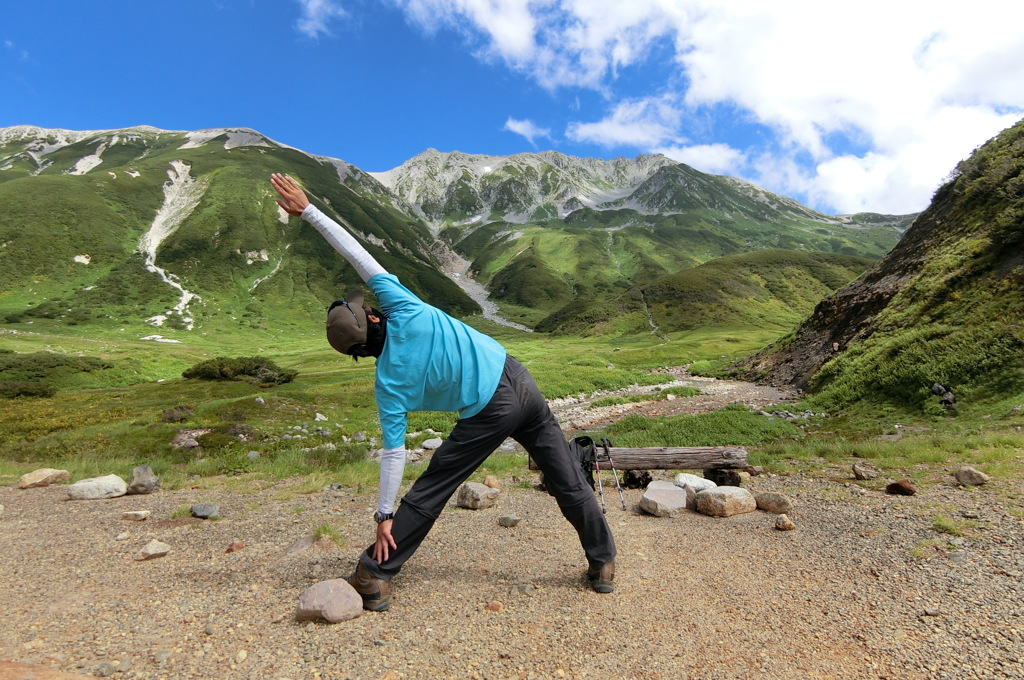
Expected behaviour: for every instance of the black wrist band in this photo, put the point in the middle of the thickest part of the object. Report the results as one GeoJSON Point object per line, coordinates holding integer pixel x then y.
{"type": "Point", "coordinates": [379, 516]}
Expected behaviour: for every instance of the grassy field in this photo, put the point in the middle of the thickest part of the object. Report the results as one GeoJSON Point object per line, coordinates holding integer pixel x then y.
{"type": "Point", "coordinates": [132, 402]}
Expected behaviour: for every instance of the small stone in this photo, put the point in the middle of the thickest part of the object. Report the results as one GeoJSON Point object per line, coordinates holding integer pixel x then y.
{"type": "Point", "coordinates": [775, 503]}
{"type": "Point", "coordinates": [252, 455]}
{"type": "Point", "coordinates": [863, 471]}
{"type": "Point", "coordinates": [932, 611]}
{"type": "Point", "coordinates": [123, 536]}
{"type": "Point", "coordinates": [235, 546]}
{"type": "Point", "coordinates": [903, 487]}
{"type": "Point", "coordinates": [431, 444]}
{"type": "Point", "coordinates": [42, 477]}
{"type": "Point", "coordinates": [476, 496]}
{"type": "Point", "coordinates": [968, 476]}
{"type": "Point", "coordinates": [206, 510]}
{"type": "Point", "coordinates": [152, 550]}
{"type": "Point", "coordinates": [241, 656]}
{"type": "Point", "coordinates": [260, 400]}
{"type": "Point", "coordinates": [135, 515]}
{"type": "Point", "coordinates": [508, 520]}
{"type": "Point", "coordinates": [492, 481]}
{"type": "Point", "coordinates": [784, 523]}
{"type": "Point", "coordinates": [208, 629]}
{"type": "Point", "coordinates": [105, 669]}
{"type": "Point", "coordinates": [495, 606]}
{"type": "Point", "coordinates": [319, 417]}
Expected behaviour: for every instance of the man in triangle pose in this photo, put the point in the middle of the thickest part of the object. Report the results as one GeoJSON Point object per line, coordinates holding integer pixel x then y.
{"type": "Point", "coordinates": [429, 361]}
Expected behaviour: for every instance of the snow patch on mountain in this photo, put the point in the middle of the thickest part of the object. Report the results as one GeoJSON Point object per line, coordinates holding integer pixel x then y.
{"type": "Point", "coordinates": [87, 163]}
{"type": "Point", "coordinates": [182, 194]}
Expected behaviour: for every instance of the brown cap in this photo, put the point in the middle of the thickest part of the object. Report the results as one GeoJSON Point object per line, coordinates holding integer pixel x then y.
{"type": "Point", "coordinates": [346, 322]}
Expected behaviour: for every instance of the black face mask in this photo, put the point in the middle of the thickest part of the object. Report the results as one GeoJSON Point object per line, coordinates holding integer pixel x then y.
{"type": "Point", "coordinates": [376, 335]}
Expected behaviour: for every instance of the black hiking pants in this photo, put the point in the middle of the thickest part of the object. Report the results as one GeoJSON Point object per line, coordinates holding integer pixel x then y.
{"type": "Point", "coordinates": [516, 410]}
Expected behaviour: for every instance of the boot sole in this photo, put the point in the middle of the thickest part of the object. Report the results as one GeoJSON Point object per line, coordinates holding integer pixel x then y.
{"type": "Point", "coordinates": [376, 606]}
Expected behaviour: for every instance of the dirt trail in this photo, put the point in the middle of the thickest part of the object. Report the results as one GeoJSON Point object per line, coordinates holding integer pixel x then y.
{"type": "Point", "coordinates": [578, 414]}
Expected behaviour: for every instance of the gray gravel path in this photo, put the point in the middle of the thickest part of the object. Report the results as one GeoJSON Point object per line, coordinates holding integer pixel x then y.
{"type": "Point", "coordinates": [865, 587]}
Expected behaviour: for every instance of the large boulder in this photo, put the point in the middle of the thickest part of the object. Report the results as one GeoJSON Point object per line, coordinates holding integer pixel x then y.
{"type": "Point", "coordinates": [725, 501]}
{"type": "Point", "coordinates": [94, 488]}
{"type": "Point", "coordinates": [663, 499]}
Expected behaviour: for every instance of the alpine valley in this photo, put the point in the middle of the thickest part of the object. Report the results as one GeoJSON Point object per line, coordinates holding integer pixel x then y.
{"type": "Point", "coordinates": [176, 233]}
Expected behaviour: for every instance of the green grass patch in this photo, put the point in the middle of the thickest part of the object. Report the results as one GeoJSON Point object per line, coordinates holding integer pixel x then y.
{"type": "Point", "coordinates": [733, 425]}
{"type": "Point", "coordinates": [330, 532]}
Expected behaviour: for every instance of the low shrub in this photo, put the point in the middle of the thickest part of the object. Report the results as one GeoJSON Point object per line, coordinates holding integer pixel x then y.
{"type": "Point", "coordinates": [256, 370]}
{"type": "Point", "coordinates": [11, 389]}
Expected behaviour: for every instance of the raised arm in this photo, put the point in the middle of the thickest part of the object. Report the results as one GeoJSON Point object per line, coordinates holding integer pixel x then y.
{"type": "Point", "coordinates": [294, 202]}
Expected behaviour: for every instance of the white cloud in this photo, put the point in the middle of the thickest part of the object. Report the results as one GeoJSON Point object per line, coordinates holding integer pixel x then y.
{"type": "Point", "coordinates": [527, 129]}
{"type": "Point", "coordinates": [316, 15]}
{"type": "Point", "coordinates": [718, 159]}
{"type": "Point", "coordinates": [642, 123]}
{"type": "Point", "coordinates": [860, 105]}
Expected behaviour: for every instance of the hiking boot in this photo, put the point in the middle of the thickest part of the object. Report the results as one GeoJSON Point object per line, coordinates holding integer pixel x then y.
{"type": "Point", "coordinates": [376, 592]}
{"type": "Point", "coordinates": [602, 580]}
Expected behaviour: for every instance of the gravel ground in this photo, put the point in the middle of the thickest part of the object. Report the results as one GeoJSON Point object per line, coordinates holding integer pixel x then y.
{"type": "Point", "coordinates": [865, 587]}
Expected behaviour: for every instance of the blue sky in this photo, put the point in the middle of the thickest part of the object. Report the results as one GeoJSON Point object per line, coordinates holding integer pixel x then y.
{"type": "Point", "coordinates": [852, 107]}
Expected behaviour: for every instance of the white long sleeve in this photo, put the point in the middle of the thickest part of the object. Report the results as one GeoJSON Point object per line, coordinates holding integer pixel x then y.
{"type": "Point", "coordinates": [343, 242]}
{"type": "Point", "coordinates": [392, 467]}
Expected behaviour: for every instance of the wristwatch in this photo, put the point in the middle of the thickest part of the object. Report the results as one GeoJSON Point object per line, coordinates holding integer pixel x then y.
{"type": "Point", "coordinates": [379, 516]}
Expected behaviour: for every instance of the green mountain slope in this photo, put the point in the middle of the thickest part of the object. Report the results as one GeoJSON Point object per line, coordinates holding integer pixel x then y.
{"type": "Point", "coordinates": [77, 208]}
{"type": "Point", "coordinates": [945, 306]}
{"type": "Point", "coordinates": [591, 229]}
{"type": "Point", "coordinates": [769, 289]}
{"type": "Point", "coordinates": [178, 231]}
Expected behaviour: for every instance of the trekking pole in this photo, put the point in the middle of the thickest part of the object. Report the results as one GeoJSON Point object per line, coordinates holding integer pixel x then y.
{"type": "Point", "coordinates": [600, 487]}
{"type": "Point", "coordinates": [608, 452]}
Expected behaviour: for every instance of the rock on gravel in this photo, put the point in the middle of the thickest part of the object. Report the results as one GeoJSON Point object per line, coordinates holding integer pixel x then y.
{"type": "Point", "coordinates": [476, 496]}
{"type": "Point", "coordinates": [96, 488]}
{"type": "Point", "coordinates": [152, 550]}
{"type": "Point", "coordinates": [773, 502]}
{"type": "Point", "coordinates": [663, 499]}
{"type": "Point", "coordinates": [42, 477]}
{"type": "Point", "coordinates": [784, 523]}
{"type": "Point", "coordinates": [725, 501]}
{"type": "Point", "coordinates": [968, 476]}
{"type": "Point", "coordinates": [333, 601]}
{"type": "Point", "coordinates": [143, 480]}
